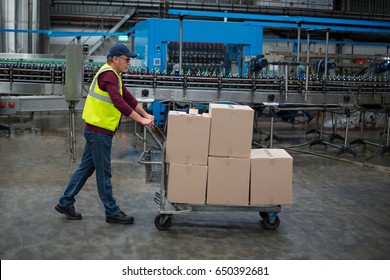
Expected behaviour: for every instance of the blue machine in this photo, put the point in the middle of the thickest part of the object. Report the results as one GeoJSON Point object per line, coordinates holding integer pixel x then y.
{"type": "Point", "coordinates": [213, 46]}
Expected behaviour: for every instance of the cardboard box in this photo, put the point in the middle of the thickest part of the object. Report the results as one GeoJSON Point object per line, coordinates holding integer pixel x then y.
{"type": "Point", "coordinates": [231, 130]}
{"type": "Point", "coordinates": [228, 181]}
{"type": "Point", "coordinates": [188, 138]}
{"type": "Point", "coordinates": [187, 183]}
{"type": "Point", "coordinates": [271, 177]}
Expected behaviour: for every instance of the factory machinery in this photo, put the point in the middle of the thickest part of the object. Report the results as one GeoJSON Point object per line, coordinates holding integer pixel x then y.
{"type": "Point", "coordinates": [32, 83]}
{"type": "Point", "coordinates": [43, 78]}
{"type": "Point", "coordinates": [191, 66]}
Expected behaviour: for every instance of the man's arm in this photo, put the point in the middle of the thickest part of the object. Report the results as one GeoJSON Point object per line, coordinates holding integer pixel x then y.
{"type": "Point", "coordinates": [133, 103]}
{"type": "Point", "coordinates": [141, 119]}
{"type": "Point", "coordinates": [145, 114]}
{"type": "Point", "coordinates": [109, 82]}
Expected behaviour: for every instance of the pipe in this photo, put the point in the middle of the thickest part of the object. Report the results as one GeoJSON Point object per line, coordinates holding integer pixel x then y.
{"type": "Point", "coordinates": [286, 85]}
{"type": "Point", "coordinates": [307, 66]}
{"type": "Point", "coordinates": [325, 76]}
{"type": "Point", "coordinates": [299, 42]}
{"type": "Point", "coordinates": [181, 43]}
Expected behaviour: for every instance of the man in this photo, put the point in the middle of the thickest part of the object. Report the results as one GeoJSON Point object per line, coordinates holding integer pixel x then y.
{"type": "Point", "coordinates": [107, 100]}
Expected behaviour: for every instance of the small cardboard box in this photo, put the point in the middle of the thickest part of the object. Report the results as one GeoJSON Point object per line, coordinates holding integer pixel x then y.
{"type": "Point", "coordinates": [228, 181]}
{"type": "Point", "coordinates": [187, 138]}
{"type": "Point", "coordinates": [231, 130]}
{"type": "Point", "coordinates": [271, 177]}
{"type": "Point", "coordinates": [187, 183]}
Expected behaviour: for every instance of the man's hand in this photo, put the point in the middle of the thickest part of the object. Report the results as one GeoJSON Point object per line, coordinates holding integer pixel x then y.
{"type": "Point", "coordinates": [147, 121]}
{"type": "Point", "coordinates": [144, 119]}
{"type": "Point", "coordinates": [151, 117]}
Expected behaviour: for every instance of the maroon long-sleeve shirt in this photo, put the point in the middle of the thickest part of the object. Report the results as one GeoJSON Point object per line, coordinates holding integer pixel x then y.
{"type": "Point", "coordinates": [126, 104]}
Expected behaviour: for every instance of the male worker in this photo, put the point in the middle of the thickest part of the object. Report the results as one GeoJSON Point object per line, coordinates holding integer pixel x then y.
{"type": "Point", "coordinates": [107, 100]}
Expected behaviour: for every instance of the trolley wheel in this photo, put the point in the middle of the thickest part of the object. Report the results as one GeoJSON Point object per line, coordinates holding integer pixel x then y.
{"type": "Point", "coordinates": [271, 225]}
{"type": "Point", "coordinates": [162, 222]}
{"type": "Point", "coordinates": [263, 215]}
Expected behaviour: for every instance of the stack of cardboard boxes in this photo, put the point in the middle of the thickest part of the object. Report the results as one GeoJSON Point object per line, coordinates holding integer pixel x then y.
{"type": "Point", "coordinates": [187, 154]}
{"type": "Point", "coordinates": [211, 160]}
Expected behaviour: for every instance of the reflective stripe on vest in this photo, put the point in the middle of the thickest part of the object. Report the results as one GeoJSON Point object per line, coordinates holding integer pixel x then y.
{"type": "Point", "coordinates": [99, 109]}
{"type": "Point", "coordinates": [100, 97]}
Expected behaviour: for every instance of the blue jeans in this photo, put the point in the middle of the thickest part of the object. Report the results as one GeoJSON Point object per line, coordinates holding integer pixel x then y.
{"type": "Point", "coordinates": [96, 156]}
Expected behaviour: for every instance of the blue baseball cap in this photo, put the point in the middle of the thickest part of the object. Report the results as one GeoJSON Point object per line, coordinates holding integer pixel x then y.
{"type": "Point", "coordinates": [120, 49]}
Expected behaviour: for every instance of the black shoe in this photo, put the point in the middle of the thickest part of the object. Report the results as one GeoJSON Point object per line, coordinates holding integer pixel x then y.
{"type": "Point", "coordinates": [69, 212]}
{"type": "Point", "coordinates": [120, 218]}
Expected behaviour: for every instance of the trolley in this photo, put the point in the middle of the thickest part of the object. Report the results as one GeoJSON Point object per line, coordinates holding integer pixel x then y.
{"type": "Point", "coordinates": [155, 172]}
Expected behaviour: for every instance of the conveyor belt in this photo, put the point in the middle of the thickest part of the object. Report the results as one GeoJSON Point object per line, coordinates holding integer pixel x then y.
{"type": "Point", "coordinates": [47, 77]}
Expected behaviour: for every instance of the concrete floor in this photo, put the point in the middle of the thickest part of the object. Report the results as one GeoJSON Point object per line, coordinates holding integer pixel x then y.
{"type": "Point", "coordinates": [340, 210]}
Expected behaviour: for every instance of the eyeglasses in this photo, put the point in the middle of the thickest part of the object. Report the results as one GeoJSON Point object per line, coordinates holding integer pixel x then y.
{"type": "Point", "coordinates": [125, 59]}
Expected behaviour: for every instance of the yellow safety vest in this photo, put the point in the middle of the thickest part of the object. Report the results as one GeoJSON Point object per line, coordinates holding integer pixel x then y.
{"type": "Point", "coordinates": [99, 109]}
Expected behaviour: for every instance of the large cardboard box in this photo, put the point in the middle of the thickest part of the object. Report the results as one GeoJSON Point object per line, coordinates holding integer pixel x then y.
{"type": "Point", "coordinates": [231, 130]}
{"type": "Point", "coordinates": [271, 177]}
{"type": "Point", "coordinates": [187, 183]}
{"type": "Point", "coordinates": [188, 138]}
{"type": "Point", "coordinates": [228, 181]}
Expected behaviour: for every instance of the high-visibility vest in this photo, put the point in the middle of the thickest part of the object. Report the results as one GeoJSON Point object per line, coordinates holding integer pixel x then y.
{"type": "Point", "coordinates": [99, 109]}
